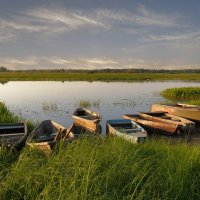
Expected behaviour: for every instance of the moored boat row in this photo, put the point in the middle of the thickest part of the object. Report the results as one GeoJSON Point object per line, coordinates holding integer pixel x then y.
{"type": "Point", "coordinates": [166, 119]}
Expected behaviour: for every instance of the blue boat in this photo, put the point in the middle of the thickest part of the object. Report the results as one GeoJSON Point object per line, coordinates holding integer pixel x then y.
{"type": "Point", "coordinates": [126, 129]}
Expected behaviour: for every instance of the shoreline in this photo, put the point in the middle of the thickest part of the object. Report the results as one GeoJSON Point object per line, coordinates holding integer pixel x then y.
{"type": "Point", "coordinates": [107, 77]}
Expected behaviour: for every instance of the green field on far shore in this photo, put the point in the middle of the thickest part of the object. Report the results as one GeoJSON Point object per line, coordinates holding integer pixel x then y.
{"type": "Point", "coordinates": [66, 76]}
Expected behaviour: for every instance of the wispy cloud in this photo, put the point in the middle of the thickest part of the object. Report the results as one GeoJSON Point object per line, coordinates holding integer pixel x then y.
{"type": "Point", "coordinates": [59, 61]}
{"type": "Point", "coordinates": [33, 62]}
{"type": "Point", "coordinates": [6, 36]}
{"type": "Point", "coordinates": [142, 16]}
{"type": "Point", "coordinates": [175, 37]}
{"type": "Point", "coordinates": [69, 19]}
{"type": "Point", "coordinates": [14, 63]}
{"type": "Point", "coordinates": [83, 62]}
{"type": "Point", "coordinates": [46, 21]}
{"type": "Point", "coordinates": [98, 61]}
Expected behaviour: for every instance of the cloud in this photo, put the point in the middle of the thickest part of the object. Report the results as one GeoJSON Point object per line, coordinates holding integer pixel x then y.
{"type": "Point", "coordinates": [98, 61]}
{"type": "Point", "coordinates": [60, 61]}
{"type": "Point", "coordinates": [44, 21]}
{"type": "Point", "coordinates": [33, 62]}
{"type": "Point", "coordinates": [6, 36]}
{"type": "Point", "coordinates": [92, 63]}
{"type": "Point", "coordinates": [142, 16]}
{"type": "Point", "coordinates": [15, 63]}
{"type": "Point", "coordinates": [69, 19]}
{"type": "Point", "coordinates": [174, 37]}
{"type": "Point", "coordinates": [58, 20]}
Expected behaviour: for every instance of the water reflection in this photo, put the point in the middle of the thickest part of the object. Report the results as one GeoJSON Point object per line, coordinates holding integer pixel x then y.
{"type": "Point", "coordinates": [57, 101]}
{"type": "Point", "coordinates": [3, 82]}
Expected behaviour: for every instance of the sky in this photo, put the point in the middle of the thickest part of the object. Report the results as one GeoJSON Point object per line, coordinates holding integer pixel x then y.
{"type": "Point", "coordinates": [98, 34]}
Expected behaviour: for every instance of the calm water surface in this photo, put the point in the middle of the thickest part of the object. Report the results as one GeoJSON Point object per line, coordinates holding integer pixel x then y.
{"type": "Point", "coordinates": [57, 100]}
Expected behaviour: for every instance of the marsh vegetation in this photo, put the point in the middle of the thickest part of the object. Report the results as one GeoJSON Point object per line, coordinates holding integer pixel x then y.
{"type": "Point", "coordinates": [98, 76]}
{"type": "Point", "coordinates": [49, 107]}
{"type": "Point", "coordinates": [189, 95]}
{"type": "Point", "coordinates": [87, 103]}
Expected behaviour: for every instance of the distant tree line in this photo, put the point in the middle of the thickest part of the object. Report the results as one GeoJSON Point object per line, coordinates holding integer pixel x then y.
{"type": "Point", "coordinates": [106, 70]}
{"type": "Point", "coordinates": [3, 69]}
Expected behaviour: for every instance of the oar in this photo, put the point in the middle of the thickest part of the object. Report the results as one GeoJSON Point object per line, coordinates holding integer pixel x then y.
{"type": "Point", "coordinates": [57, 135]}
{"type": "Point", "coordinates": [68, 131]}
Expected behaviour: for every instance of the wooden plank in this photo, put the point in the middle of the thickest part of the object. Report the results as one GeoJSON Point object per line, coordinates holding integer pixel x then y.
{"type": "Point", "coordinates": [11, 134]}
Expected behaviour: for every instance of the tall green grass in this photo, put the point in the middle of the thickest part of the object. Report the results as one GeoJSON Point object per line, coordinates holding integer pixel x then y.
{"type": "Point", "coordinates": [7, 157]}
{"type": "Point", "coordinates": [98, 168]}
{"type": "Point", "coordinates": [185, 94]}
{"type": "Point", "coordinates": [6, 116]}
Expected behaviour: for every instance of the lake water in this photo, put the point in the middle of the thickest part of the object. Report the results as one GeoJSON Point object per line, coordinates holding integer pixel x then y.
{"type": "Point", "coordinates": [55, 100]}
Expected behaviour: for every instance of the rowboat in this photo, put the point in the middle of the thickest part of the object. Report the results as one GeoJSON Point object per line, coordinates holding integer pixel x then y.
{"type": "Point", "coordinates": [47, 134]}
{"type": "Point", "coordinates": [191, 112]}
{"type": "Point", "coordinates": [180, 124]}
{"type": "Point", "coordinates": [127, 129]}
{"type": "Point", "coordinates": [13, 135]}
{"type": "Point", "coordinates": [162, 122]}
{"type": "Point", "coordinates": [88, 119]}
{"type": "Point", "coordinates": [77, 131]}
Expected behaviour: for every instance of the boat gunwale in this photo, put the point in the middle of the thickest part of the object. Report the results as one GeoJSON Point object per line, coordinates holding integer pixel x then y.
{"type": "Point", "coordinates": [183, 121]}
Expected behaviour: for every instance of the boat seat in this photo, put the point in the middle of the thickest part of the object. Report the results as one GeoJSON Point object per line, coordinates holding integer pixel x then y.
{"type": "Point", "coordinates": [131, 130]}
{"type": "Point", "coordinates": [88, 117]}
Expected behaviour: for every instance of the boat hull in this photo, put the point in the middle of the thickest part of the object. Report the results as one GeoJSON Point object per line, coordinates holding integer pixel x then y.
{"type": "Point", "coordinates": [90, 125]}
{"type": "Point", "coordinates": [13, 135]}
{"type": "Point", "coordinates": [47, 134]}
{"type": "Point", "coordinates": [165, 128]}
{"type": "Point", "coordinates": [87, 119]}
{"type": "Point", "coordinates": [181, 125]}
{"type": "Point", "coordinates": [192, 113]}
{"type": "Point", "coordinates": [134, 134]}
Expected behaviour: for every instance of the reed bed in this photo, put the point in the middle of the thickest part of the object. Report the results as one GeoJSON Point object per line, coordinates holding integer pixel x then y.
{"type": "Point", "coordinates": [89, 103]}
{"type": "Point", "coordinates": [125, 103]}
{"type": "Point", "coordinates": [49, 107]}
{"type": "Point", "coordinates": [184, 94]}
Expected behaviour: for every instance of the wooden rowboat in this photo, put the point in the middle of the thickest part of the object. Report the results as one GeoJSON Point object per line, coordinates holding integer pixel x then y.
{"type": "Point", "coordinates": [47, 134]}
{"type": "Point", "coordinates": [180, 124]}
{"type": "Point", "coordinates": [182, 110]}
{"type": "Point", "coordinates": [162, 122]}
{"type": "Point", "coordinates": [13, 135]}
{"type": "Point", "coordinates": [127, 129]}
{"type": "Point", "coordinates": [88, 119]}
{"type": "Point", "coordinates": [152, 126]}
{"type": "Point", "coordinates": [77, 131]}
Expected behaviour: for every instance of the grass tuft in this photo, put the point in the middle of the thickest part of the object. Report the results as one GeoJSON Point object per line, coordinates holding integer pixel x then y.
{"type": "Point", "coordinates": [189, 95]}
{"type": "Point", "coordinates": [89, 103]}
